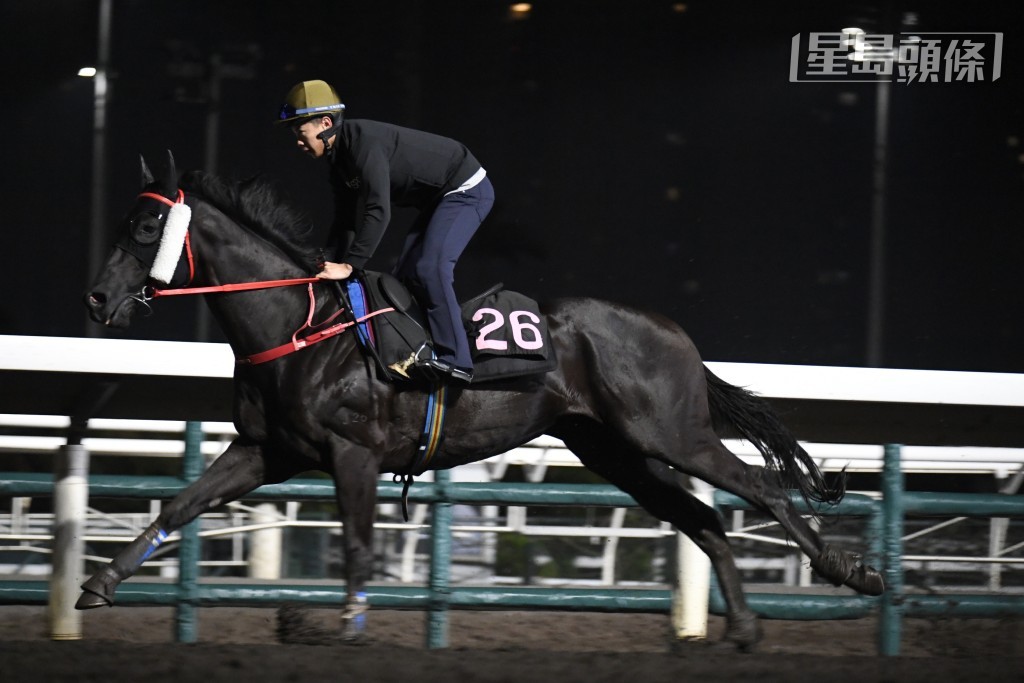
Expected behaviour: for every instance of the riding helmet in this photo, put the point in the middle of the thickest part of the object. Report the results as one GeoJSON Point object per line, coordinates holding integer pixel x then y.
{"type": "Point", "coordinates": [308, 99]}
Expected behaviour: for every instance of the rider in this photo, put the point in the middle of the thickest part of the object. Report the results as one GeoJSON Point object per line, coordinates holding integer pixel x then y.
{"type": "Point", "coordinates": [376, 165]}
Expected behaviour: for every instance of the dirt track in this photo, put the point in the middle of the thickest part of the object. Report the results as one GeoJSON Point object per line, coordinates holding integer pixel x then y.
{"type": "Point", "coordinates": [240, 644]}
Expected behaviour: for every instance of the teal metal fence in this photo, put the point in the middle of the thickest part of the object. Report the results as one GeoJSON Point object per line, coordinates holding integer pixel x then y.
{"type": "Point", "coordinates": [883, 523]}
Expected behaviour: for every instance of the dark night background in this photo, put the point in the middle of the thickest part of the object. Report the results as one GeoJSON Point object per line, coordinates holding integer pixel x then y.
{"type": "Point", "coordinates": [639, 153]}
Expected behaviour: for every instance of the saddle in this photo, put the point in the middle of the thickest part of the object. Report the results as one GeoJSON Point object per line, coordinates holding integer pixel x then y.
{"type": "Point", "coordinates": [508, 336]}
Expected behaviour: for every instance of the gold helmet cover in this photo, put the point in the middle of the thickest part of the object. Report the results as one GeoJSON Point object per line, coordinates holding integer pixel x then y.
{"type": "Point", "coordinates": [308, 99]}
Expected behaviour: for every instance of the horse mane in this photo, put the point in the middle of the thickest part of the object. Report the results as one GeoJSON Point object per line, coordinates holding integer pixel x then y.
{"type": "Point", "coordinates": [258, 206]}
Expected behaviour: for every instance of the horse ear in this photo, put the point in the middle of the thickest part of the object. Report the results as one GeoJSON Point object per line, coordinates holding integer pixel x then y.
{"type": "Point", "coordinates": [147, 175]}
{"type": "Point", "coordinates": [172, 176]}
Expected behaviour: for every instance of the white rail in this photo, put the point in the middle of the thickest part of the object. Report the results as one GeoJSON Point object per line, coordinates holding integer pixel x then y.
{"type": "Point", "coordinates": [537, 455]}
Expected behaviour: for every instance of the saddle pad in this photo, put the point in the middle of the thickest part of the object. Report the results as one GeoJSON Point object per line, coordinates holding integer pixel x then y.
{"type": "Point", "coordinates": [507, 334]}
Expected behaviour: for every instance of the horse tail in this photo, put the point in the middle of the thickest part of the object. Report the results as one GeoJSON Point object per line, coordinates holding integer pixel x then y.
{"type": "Point", "coordinates": [755, 420]}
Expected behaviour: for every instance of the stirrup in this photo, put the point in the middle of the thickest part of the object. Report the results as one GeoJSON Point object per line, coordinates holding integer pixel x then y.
{"type": "Point", "coordinates": [441, 369]}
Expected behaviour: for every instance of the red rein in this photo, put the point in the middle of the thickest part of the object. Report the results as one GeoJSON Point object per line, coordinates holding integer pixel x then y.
{"type": "Point", "coordinates": [296, 344]}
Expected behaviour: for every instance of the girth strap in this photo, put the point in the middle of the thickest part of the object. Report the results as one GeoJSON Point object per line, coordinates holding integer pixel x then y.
{"type": "Point", "coordinates": [430, 440]}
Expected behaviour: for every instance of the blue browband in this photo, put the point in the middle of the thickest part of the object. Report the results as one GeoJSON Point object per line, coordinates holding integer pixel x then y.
{"type": "Point", "coordinates": [288, 112]}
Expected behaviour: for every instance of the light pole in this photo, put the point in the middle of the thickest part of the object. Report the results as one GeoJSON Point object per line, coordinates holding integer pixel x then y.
{"type": "Point", "coordinates": [875, 324]}
{"type": "Point", "coordinates": [876, 259]}
{"type": "Point", "coordinates": [98, 205]}
{"type": "Point", "coordinates": [209, 76]}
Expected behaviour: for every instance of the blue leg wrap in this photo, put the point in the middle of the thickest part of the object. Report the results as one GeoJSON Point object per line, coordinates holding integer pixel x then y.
{"type": "Point", "coordinates": [353, 619]}
{"type": "Point", "coordinates": [155, 543]}
{"type": "Point", "coordinates": [359, 621]}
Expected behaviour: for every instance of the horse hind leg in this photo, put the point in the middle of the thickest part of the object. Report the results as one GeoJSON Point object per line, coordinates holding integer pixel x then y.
{"type": "Point", "coordinates": [719, 467]}
{"type": "Point", "coordinates": [662, 491]}
{"type": "Point", "coordinates": [671, 420]}
{"type": "Point", "coordinates": [239, 470]}
{"type": "Point", "coordinates": [701, 454]}
{"type": "Point", "coordinates": [702, 525]}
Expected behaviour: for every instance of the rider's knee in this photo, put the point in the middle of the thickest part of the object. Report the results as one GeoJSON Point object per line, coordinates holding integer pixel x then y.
{"type": "Point", "coordinates": [431, 271]}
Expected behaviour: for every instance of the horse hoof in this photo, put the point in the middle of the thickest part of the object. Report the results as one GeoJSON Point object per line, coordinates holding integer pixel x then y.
{"type": "Point", "coordinates": [353, 620]}
{"type": "Point", "coordinates": [355, 638]}
{"type": "Point", "coordinates": [98, 591]}
{"type": "Point", "coordinates": [90, 600]}
{"type": "Point", "coordinates": [353, 630]}
{"type": "Point", "coordinates": [743, 631]}
{"type": "Point", "coordinates": [845, 569]}
{"type": "Point", "coordinates": [866, 580]}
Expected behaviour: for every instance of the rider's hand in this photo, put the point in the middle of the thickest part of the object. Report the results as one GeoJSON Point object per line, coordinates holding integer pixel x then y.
{"type": "Point", "coordinates": [335, 271]}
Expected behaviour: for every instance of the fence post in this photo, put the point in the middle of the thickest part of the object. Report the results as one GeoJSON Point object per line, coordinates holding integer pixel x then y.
{"type": "Point", "coordinates": [189, 551]}
{"type": "Point", "coordinates": [265, 544]}
{"type": "Point", "coordinates": [70, 499]}
{"type": "Point", "coordinates": [693, 579]}
{"type": "Point", "coordinates": [440, 563]}
{"type": "Point", "coordinates": [892, 540]}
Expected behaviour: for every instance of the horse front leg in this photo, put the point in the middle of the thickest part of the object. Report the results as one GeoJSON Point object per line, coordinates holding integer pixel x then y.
{"type": "Point", "coordinates": [355, 473]}
{"type": "Point", "coordinates": [239, 470]}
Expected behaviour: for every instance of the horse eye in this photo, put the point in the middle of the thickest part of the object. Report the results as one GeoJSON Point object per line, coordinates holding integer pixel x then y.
{"type": "Point", "coordinates": [145, 230]}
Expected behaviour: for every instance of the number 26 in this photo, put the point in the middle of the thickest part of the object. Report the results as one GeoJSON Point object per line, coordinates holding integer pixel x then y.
{"type": "Point", "coordinates": [519, 327]}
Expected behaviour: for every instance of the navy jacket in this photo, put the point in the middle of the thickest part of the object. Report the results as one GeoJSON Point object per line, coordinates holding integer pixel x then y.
{"type": "Point", "coordinates": [377, 165]}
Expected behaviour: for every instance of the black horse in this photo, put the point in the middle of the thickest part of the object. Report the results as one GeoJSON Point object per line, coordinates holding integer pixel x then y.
{"type": "Point", "coordinates": [630, 397]}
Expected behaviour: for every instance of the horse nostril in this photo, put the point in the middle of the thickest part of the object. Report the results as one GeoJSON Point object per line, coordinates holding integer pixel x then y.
{"type": "Point", "coordinates": [96, 298]}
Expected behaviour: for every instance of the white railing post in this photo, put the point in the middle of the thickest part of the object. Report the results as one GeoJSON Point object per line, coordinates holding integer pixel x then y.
{"type": "Point", "coordinates": [70, 498]}
{"type": "Point", "coordinates": [265, 548]}
{"type": "Point", "coordinates": [693, 581]}
{"type": "Point", "coordinates": [611, 547]}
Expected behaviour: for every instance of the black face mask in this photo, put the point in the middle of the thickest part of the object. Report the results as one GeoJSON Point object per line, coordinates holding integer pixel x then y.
{"type": "Point", "coordinates": [141, 238]}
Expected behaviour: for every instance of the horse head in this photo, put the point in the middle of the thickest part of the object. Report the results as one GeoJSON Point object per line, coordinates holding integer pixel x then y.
{"type": "Point", "coordinates": [148, 249]}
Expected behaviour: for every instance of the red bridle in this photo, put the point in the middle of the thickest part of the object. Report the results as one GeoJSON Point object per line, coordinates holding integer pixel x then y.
{"type": "Point", "coordinates": [296, 343]}
{"type": "Point", "coordinates": [188, 243]}
{"type": "Point", "coordinates": [238, 287]}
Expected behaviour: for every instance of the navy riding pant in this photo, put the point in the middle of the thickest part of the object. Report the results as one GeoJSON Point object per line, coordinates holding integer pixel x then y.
{"type": "Point", "coordinates": [428, 260]}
